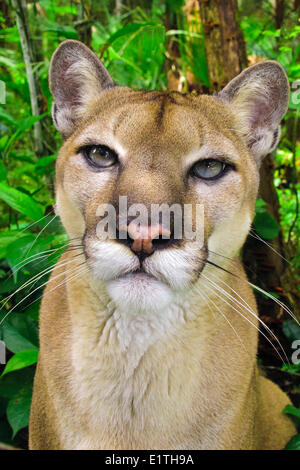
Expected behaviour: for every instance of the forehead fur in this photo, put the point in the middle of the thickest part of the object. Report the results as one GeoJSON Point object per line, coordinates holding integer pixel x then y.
{"type": "Point", "coordinates": [153, 118]}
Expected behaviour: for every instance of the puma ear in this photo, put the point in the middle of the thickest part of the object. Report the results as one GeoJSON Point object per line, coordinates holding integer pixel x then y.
{"type": "Point", "coordinates": [76, 77]}
{"type": "Point", "coordinates": [259, 97]}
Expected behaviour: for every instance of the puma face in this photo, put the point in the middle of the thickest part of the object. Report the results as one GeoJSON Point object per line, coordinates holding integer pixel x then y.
{"type": "Point", "coordinates": [197, 156]}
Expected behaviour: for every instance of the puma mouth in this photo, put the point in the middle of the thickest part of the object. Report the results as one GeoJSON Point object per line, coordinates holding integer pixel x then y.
{"type": "Point", "coordinates": [138, 279]}
{"type": "Point", "coordinates": [138, 274]}
{"type": "Point", "coordinates": [138, 291]}
{"type": "Point", "coordinates": [177, 269]}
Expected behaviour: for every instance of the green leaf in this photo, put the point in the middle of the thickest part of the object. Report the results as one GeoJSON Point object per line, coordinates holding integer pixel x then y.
{"type": "Point", "coordinates": [18, 410]}
{"type": "Point", "coordinates": [2, 171]}
{"type": "Point", "coordinates": [275, 33]}
{"type": "Point", "coordinates": [128, 29]}
{"type": "Point", "coordinates": [10, 285]}
{"type": "Point", "coordinates": [33, 312]}
{"type": "Point", "coordinates": [11, 384]}
{"type": "Point", "coordinates": [26, 326]}
{"type": "Point", "coordinates": [292, 368]}
{"type": "Point", "coordinates": [265, 225]}
{"type": "Point", "coordinates": [8, 62]}
{"type": "Point", "coordinates": [17, 252]}
{"type": "Point", "coordinates": [5, 433]}
{"type": "Point", "coordinates": [114, 56]}
{"type": "Point", "coordinates": [45, 161]}
{"type": "Point", "coordinates": [294, 443]}
{"type": "Point", "coordinates": [175, 5]}
{"type": "Point", "coordinates": [6, 238]}
{"type": "Point", "coordinates": [20, 201]}
{"type": "Point", "coordinates": [3, 406]}
{"type": "Point", "coordinates": [6, 117]}
{"type": "Point", "coordinates": [3, 142]}
{"type": "Point", "coordinates": [293, 103]}
{"type": "Point", "coordinates": [67, 32]}
{"type": "Point", "coordinates": [21, 360]}
{"type": "Point", "coordinates": [24, 254]}
{"type": "Point", "coordinates": [292, 410]}
{"type": "Point", "coordinates": [260, 203]}
{"type": "Point", "coordinates": [15, 341]}
{"type": "Point", "coordinates": [23, 125]}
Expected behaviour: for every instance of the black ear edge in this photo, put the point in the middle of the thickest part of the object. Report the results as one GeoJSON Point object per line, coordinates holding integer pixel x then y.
{"type": "Point", "coordinates": [276, 138]}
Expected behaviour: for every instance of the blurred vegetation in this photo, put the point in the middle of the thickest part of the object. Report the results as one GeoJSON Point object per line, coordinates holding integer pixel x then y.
{"type": "Point", "coordinates": [144, 44]}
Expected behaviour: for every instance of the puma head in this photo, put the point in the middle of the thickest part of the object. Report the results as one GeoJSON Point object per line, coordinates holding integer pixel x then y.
{"type": "Point", "coordinates": [159, 148]}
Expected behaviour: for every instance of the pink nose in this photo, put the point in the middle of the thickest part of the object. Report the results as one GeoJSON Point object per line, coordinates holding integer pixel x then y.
{"type": "Point", "coordinates": [143, 236]}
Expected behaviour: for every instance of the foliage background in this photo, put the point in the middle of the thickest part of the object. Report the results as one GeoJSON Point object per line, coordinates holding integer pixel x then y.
{"type": "Point", "coordinates": [144, 44]}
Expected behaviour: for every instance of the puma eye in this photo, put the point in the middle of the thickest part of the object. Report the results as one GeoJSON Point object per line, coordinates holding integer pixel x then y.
{"type": "Point", "coordinates": [209, 169]}
{"type": "Point", "coordinates": [100, 156]}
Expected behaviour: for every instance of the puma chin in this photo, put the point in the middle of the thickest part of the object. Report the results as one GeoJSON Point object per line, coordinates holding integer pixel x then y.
{"type": "Point", "coordinates": [147, 285]}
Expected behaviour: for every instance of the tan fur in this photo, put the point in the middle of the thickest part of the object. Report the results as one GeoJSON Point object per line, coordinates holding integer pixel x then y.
{"type": "Point", "coordinates": [180, 377]}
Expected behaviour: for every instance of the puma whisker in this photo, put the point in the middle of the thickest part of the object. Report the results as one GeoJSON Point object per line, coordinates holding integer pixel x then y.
{"type": "Point", "coordinates": [225, 318]}
{"type": "Point", "coordinates": [229, 296]}
{"type": "Point", "coordinates": [31, 281]}
{"type": "Point", "coordinates": [39, 234]}
{"type": "Point", "coordinates": [254, 235]}
{"type": "Point", "coordinates": [66, 279]}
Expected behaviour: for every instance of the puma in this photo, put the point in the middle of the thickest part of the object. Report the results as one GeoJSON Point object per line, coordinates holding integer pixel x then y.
{"type": "Point", "coordinates": [149, 341]}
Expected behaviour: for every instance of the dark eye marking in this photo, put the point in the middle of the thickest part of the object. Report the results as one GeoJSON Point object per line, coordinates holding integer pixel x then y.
{"type": "Point", "coordinates": [210, 169]}
{"type": "Point", "coordinates": [99, 156]}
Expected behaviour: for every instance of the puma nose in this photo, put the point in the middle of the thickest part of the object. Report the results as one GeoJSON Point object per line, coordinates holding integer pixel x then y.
{"type": "Point", "coordinates": [144, 239]}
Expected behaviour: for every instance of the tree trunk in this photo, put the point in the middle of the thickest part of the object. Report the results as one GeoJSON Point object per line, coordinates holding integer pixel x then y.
{"type": "Point", "coordinates": [279, 13]}
{"type": "Point", "coordinates": [27, 49]}
{"type": "Point", "coordinates": [173, 60]}
{"type": "Point", "coordinates": [224, 42]}
{"type": "Point", "coordinates": [192, 11]}
{"type": "Point", "coordinates": [5, 11]}
{"type": "Point", "coordinates": [83, 23]}
{"type": "Point", "coordinates": [118, 8]}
